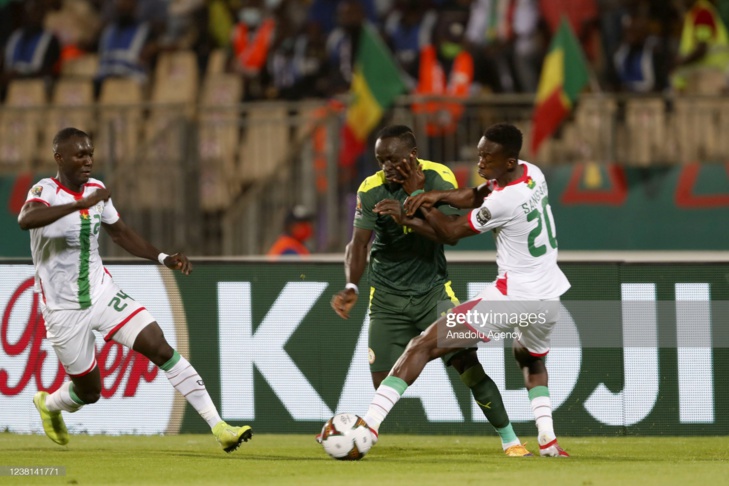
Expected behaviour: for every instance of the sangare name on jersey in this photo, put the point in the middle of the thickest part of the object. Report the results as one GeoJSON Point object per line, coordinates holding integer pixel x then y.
{"type": "Point", "coordinates": [540, 192]}
{"type": "Point", "coordinates": [526, 242]}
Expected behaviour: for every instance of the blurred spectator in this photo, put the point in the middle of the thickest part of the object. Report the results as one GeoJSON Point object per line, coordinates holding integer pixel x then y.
{"type": "Point", "coordinates": [31, 51]}
{"type": "Point", "coordinates": [10, 15]}
{"type": "Point", "coordinates": [583, 16]}
{"type": "Point", "coordinates": [278, 65]}
{"type": "Point", "coordinates": [152, 11]}
{"type": "Point", "coordinates": [446, 69]}
{"type": "Point", "coordinates": [383, 7]}
{"type": "Point", "coordinates": [487, 32]}
{"type": "Point", "coordinates": [508, 43]}
{"type": "Point", "coordinates": [529, 44]}
{"type": "Point", "coordinates": [76, 23]}
{"type": "Point", "coordinates": [292, 13]}
{"type": "Point", "coordinates": [326, 13]}
{"type": "Point", "coordinates": [127, 46]}
{"type": "Point", "coordinates": [184, 21]}
{"type": "Point", "coordinates": [640, 61]}
{"type": "Point", "coordinates": [342, 45]}
{"type": "Point", "coordinates": [222, 19]}
{"type": "Point", "coordinates": [298, 65]}
{"type": "Point", "coordinates": [704, 45]}
{"type": "Point", "coordinates": [187, 28]}
{"type": "Point", "coordinates": [298, 228]}
{"type": "Point", "coordinates": [252, 39]}
{"type": "Point", "coordinates": [612, 14]}
{"type": "Point", "coordinates": [449, 32]}
{"type": "Point", "coordinates": [408, 28]}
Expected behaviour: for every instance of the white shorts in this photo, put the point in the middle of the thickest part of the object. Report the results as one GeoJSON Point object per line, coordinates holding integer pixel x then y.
{"type": "Point", "coordinates": [534, 336]}
{"type": "Point", "coordinates": [115, 316]}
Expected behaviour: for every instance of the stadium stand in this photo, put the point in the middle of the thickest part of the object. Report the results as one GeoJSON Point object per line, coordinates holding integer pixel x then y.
{"type": "Point", "coordinates": [21, 126]}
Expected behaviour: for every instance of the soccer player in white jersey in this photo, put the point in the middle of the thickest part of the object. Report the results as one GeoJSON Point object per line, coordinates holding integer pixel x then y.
{"type": "Point", "coordinates": [64, 215]}
{"type": "Point", "coordinates": [514, 204]}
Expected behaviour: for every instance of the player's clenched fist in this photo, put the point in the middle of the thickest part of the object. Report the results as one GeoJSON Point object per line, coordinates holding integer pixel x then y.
{"type": "Point", "coordinates": [179, 261]}
{"type": "Point", "coordinates": [101, 194]}
{"type": "Point", "coordinates": [343, 301]}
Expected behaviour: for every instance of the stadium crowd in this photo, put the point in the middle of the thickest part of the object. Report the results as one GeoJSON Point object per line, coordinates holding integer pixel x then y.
{"type": "Point", "coordinates": [296, 49]}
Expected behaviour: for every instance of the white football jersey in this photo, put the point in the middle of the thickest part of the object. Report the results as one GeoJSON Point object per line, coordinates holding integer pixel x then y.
{"type": "Point", "coordinates": [526, 238]}
{"type": "Point", "coordinates": [68, 269]}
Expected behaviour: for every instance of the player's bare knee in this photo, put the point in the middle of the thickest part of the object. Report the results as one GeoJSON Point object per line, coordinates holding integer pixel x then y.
{"type": "Point", "coordinates": [526, 360]}
{"type": "Point", "coordinates": [521, 354]}
{"type": "Point", "coordinates": [161, 354]}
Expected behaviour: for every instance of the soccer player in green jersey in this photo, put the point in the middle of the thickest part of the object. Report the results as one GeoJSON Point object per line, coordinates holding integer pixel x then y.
{"type": "Point", "coordinates": [64, 215]}
{"type": "Point", "coordinates": [407, 272]}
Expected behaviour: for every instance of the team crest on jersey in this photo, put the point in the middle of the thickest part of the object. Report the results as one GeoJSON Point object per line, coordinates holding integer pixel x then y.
{"type": "Point", "coordinates": [370, 355]}
{"type": "Point", "coordinates": [530, 183]}
{"type": "Point", "coordinates": [358, 209]}
{"type": "Point", "coordinates": [37, 191]}
{"type": "Point", "coordinates": [483, 216]}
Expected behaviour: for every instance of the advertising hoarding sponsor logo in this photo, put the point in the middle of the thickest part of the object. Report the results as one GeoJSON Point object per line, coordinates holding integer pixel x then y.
{"type": "Point", "coordinates": [28, 362]}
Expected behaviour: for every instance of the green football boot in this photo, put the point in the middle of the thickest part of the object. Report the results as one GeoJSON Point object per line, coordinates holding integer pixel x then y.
{"type": "Point", "coordinates": [230, 437]}
{"type": "Point", "coordinates": [53, 423]}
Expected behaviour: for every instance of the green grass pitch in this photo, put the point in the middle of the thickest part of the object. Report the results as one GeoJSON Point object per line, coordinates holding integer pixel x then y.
{"type": "Point", "coordinates": [397, 459]}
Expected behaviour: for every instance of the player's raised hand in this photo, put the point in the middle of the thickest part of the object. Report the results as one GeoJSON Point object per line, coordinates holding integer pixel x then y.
{"type": "Point", "coordinates": [179, 261]}
{"type": "Point", "coordinates": [390, 207]}
{"type": "Point", "coordinates": [426, 200]}
{"type": "Point", "coordinates": [412, 176]}
{"type": "Point", "coordinates": [100, 194]}
{"type": "Point", "coordinates": [343, 301]}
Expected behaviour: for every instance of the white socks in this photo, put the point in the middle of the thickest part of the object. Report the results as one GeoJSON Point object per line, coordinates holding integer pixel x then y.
{"type": "Point", "coordinates": [61, 399]}
{"type": "Point", "coordinates": [186, 381]}
{"type": "Point", "coordinates": [542, 409]}
{"type": "Point", "coordinates": [386, 396]}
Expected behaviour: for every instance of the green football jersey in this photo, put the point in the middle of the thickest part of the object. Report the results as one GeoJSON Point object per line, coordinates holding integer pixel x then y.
{"type": "Point", "coordinates": [400, 260]}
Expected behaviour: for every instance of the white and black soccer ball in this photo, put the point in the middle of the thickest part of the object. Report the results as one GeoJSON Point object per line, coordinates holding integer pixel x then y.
{"type": "Point", "coordinates": [346, 437]}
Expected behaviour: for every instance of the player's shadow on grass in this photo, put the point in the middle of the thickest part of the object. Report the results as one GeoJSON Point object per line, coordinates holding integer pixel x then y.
{"type": "Point", "coordinates": [239, 456]}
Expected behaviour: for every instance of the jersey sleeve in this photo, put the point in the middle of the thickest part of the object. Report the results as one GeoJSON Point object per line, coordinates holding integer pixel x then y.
{"type": "Point", "coordinates": [445, 181]}
{"type": "Point", "coordinates": [364, 217]}
{"type": "Point", "coordinates": [493, 213]}
{"type": "Point", "coordinates": [110, 215]}
{"type": "Point", "coordinates": [41, 192]}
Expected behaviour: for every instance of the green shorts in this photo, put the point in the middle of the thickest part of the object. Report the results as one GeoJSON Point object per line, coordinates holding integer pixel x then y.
{"type": "Point", "coordinates": [395, 319]}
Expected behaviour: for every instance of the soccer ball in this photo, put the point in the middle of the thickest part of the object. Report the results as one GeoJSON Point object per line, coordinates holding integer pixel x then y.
{"type": "Point", "coordinates": [346, 437]}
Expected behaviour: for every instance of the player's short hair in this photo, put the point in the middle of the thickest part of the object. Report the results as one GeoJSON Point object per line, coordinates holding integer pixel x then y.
{"type": "Point", "coordinates": [506, 135]}
{"type": "Point", "coordinates": [402, 132]}
{"type": "Point", "coordinates": [65, 134]}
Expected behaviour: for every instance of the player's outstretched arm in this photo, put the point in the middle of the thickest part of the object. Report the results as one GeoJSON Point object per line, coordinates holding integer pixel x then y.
{"type": "Point", "coordinates": [392, 208]}
{"type": "Point", "coordinates": [132, 242]}
{"type": "Point", "coordinates": [35, 214]}
{"type": "Point", "coordinates": [463, 198]}
{"type": "Point", "coordinates": [449, 229]}
{"type": "Point", "coordinates": [355, 261]}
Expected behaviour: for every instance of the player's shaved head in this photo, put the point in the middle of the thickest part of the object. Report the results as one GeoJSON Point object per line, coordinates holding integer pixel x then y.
{"type": "Point", "coordinates": [66, 134]}
{"type": "Point", "coordinates": [402, 132]}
